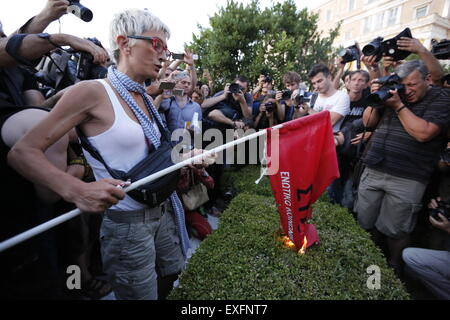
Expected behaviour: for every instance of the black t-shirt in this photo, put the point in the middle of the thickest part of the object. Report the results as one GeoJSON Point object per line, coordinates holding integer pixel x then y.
{"type": "Point", "coordinates": [356, 111]}
{"type": "Point", "coordinates": [14, 82]}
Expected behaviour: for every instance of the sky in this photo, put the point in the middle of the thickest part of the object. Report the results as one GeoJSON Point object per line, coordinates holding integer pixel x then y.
{"type": "Point", "coordinates": [181, 16]}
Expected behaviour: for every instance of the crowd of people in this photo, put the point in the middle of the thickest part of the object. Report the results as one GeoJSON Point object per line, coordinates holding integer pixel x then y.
{"type": "Point", "coordinates": [78, 145]}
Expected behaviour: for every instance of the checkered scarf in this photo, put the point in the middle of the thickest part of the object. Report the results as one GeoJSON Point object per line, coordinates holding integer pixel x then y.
{"type": "Point", "coordinates": [123, 84]}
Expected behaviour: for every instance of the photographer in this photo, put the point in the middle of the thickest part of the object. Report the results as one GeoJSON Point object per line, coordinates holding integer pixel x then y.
{"type": "Point", "coordinates": [341, 75]}
{"type": "Point", "coordinates": [179, 109]}
{"type": "Point", "coordinates": [330, 99]}
{"type": "Point", "coordinates": [266, 117]}
{"type": "Point", "coordinates": [231, 107]}
{"type": "Point", "coordinates": [261, 91]}
{"type": "Point", "coordinates": [188, 59]}
{"type": "Point", "coordinates": [432, 266]}
{"type": "Point", "coordinates": [285, 101]}
{"type": "Point", "coordinates": [402, 155]}
{"type": "Point", "coordinates": [348, 139]}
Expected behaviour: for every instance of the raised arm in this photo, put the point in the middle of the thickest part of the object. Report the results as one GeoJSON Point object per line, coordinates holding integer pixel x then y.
{"type": "Point", "coordinates": [53, 10]}
{"type": "Point", "coordinates": [433, 65]}
{"type": "Point", "coordinates": [34, 47]}
{"type": "Point", "coordinates": [28, 158]}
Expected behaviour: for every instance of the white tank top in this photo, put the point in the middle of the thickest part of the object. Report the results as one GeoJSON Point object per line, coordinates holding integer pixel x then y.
{"type": "Point", "coordinates": [122, 147]}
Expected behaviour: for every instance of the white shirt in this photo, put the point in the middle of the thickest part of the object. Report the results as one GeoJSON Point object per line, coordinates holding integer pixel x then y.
{"type": "Point", "coordinates": [338, 103]}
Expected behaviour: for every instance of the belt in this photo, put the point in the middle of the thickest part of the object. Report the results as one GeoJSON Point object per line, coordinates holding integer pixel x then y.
{"type": "Point", "coordinates": [137, 216]}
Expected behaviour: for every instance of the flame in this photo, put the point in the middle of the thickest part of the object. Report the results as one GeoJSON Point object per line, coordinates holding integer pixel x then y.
{"type": "Point", "coordinates": [287, 242]}
{"type": "Point", "coordinates": [304, 247]}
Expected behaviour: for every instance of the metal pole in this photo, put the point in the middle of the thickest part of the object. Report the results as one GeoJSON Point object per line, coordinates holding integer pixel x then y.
{"type": "Point", "coordinates": [72, 214]}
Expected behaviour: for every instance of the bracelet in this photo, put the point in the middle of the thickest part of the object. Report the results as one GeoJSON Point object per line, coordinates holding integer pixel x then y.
{"type": "Point", "coordinates": [81, 161]}
{"type": "Point", "coordinates": [400, 109]}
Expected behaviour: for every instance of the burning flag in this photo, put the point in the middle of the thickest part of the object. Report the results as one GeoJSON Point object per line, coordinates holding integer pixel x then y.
{"type": "Point", "coordinates": [305, 156]}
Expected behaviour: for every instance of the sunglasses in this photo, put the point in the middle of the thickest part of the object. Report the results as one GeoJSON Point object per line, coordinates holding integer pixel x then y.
{"type": "Point", "coordinates": [157, 44]}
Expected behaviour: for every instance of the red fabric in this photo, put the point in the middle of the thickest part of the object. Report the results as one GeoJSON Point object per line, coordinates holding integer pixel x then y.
{"type": "Point", "coordinates": [305, 156]}
{"type": "Point", "coordinates": [199, 223]}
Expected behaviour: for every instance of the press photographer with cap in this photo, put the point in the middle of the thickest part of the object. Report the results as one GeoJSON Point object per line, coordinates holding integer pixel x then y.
{"type": "Point", "coordinates": [410, 128]}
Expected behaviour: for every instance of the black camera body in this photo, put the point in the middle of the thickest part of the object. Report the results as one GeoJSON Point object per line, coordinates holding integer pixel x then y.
{"type": "Point", "coordinates": [380, 48]}
{"type": "Point", "coordinates": [268, 79]}
{"type": "Point", "coordinates": [392, 82]}
{"type": "Point", "coordinates": [270, 106]}
{"type": "Point", "coordinates": [441, 50]}
{"type": "Point", "coordinates": [236, 88]}
{"type": "Point", "coordinates": [287, 94]}
{"type": "Point", "coordinates": [350, 54]}
{"type": "Point", "coordinates": [77, 9]}
{"type": "Point", "coordinates": [446, 79]}
{"type": "Point", "coordinates": [86, 69]}
{"type": "Point", "coordinates": [303, 97]}
{"type": "Point", "coordinates": [443, 208]}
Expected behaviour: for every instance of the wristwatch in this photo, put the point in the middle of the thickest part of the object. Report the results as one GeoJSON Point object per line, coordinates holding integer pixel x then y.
{"type": "Point", "coordinates": [47, 36]}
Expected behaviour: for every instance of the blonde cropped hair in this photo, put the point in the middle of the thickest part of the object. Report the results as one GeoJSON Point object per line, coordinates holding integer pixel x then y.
{"type": "Point", "coordinates": [133, 22]}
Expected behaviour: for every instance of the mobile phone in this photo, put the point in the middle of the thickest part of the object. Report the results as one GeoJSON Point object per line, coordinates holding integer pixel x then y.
{"type": "Point", "coordinates": [178, 92]}
{"type": "Point", "coordinates": [178, 56]}
{"type": "Point", "coordinates": [166, 85]}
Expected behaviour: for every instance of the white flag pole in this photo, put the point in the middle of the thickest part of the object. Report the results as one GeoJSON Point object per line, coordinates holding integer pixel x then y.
{"type": "Point", "coordinates": [5, 245]}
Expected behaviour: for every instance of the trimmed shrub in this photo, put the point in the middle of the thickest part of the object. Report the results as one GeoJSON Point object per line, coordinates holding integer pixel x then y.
{"type": "Point", "coordinates": [245, 259]}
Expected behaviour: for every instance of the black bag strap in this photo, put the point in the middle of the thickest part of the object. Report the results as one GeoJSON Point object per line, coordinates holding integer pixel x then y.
{"type": "Point", "coordinates": [314, 100]}
{"type": "Point", "coordinates": [87, 145]}
{"type": "Point", "coordinates": [93, 151]}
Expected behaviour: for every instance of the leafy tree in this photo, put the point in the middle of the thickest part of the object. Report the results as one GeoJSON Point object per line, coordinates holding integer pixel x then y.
{"type": "Point", "coordinates": [243, 39]}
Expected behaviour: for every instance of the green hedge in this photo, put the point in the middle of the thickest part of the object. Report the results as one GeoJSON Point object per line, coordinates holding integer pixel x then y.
{"type": "Point", "coordinates": [245, 260]}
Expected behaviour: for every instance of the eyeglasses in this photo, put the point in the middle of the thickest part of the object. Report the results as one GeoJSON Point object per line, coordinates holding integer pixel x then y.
{"type": "Point", "coordinates": [157, 44]}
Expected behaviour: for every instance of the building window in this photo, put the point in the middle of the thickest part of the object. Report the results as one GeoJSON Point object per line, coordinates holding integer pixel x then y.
{"type": "Point", "coordinates": [328, 15]}
{"type": "Point", "coordinates": [351, 5]}
{"type": "Point", "coordinates": [348, 35]}
{"type": "Point", "coordinates": [369, 1]}
{"type": "Point", "coordinates": [367, 25]}
{"type": "Point", "coordinates": [421, 12]}
{"type": "Point", "coordinates": [392, 17]}
{"type": "Point", "coordinates": [379, 20]}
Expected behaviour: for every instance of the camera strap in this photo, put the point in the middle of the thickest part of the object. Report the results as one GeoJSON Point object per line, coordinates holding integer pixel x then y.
{"type": "Point", "coordinates": [314, 100]}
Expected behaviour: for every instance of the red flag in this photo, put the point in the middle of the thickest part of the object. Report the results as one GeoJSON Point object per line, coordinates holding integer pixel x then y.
{"type": "Point", "coordinates": [301, 164]}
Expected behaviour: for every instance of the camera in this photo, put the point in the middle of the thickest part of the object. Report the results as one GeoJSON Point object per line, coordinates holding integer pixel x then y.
{"type": "Point", "coordinates": [441, 50]}
{"type": "Point", "coordinates": [392, 82]}
{"type": "Point", "coordinates": [236, 88]}
{"type": "Point", "coordinates": [77, 9]}
{"type": "Point", "coordinates": [303, 97]}
{"type": "Point", "coordinates": [443, 208]}
{"type": "Point", "coordinates": [268, 79]}
{"type": "Point", "coordinates": [270, 106]}
{"type": "Point", "coordinates": [350, 54]}
{"type": "Point", "coordinates": [445, 155]}
{"type": "Point", "coordinates": [446, 79]}
{"type": "Point", "coordinates": [287, 94]}
{"type": "Point", "coordinates": [86, 69]}
{"type": "Point", "coordinates": [380, 48]}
